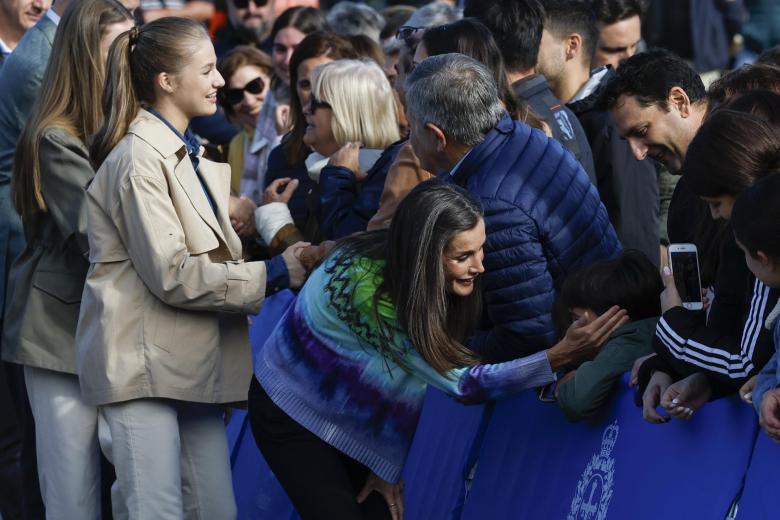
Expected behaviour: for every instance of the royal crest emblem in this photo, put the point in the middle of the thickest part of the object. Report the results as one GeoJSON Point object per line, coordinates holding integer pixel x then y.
{"type": "Point", "coordinates": [594, 490]}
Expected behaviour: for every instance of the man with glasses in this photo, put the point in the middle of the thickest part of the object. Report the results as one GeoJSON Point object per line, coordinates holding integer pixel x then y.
{"type": "Point", "coordinates": [249, 23]}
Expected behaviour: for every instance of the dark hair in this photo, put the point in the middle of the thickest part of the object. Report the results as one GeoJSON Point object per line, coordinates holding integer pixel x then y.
{"type": "Point", "coordinates": [517, 27]}
{"type": "Point", "coordinates": [761, 103]}
{"type": "Point", "coordinates": [365, 47]}
{"type": "Point", "coordinates": [564, 17]}
{"type": "Point", "coordinates": [425, 222]}
{"type": "Point", "coordinates": [649, 76]}
{"type": "Point", "coordinates": [238, 57]}
{"type": "Point", "coordinates": [134, 59]}
{"type": "Point", "coordinates": [613, 11]}
{"type": "Point", "coordinates": [305, 19]}
{"type": "Point", "coordinates": [730, 152]}
{"type": "Point", "coordinates": [630, 281]}
{"type": "Point", "coordinates": [395, 17]}
{"type": "Point", "coordinates": [755, 217]}
{"type": "Point", "coordinates": [469, 36]}
{"type": "Point", "coordinates": [744, 79]}
{"type": "Point", "coordinates": [770, 56]}
{"type": "Point", "coordinates": [319, 43]}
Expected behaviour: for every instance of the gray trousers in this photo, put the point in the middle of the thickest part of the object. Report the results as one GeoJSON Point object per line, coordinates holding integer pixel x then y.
{"type": "Point", "coordinates": [171, 460]}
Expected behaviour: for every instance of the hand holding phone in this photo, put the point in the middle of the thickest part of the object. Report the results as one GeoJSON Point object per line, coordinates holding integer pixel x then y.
{"type": "Point", "coordinates": [684, 264]}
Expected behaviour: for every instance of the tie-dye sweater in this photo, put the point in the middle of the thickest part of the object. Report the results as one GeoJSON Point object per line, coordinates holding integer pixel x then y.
{"type": "Point", "coordinates": [321, 367]}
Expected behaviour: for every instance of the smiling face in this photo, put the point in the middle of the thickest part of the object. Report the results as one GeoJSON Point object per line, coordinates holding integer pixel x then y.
{"type": "Point", "coordinates": [617, 42]}
{"type": "Point", "coordinates": [251, 19]}
{"type": "Point", "coordinates": [462, 260]}
{"type": "Point", "coordinates": [195, 86]}
{"type": "Point", "coordinates": [654, 132]}
{"type": "Point", "coordinates": [285, 42]}
{"type": "Point", "coordinates": [319, 130]}
{"type": "Point", "coordinates": [245, 112]}
{"type": "Point", "coordinates": [23, 14]}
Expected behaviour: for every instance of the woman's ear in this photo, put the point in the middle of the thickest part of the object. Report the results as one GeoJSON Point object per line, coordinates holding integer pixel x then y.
{"type": "Point", "coordinates": [165, 82]}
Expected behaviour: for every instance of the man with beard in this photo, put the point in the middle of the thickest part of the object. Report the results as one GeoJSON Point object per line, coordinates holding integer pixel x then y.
{"type": "Point", "coordinates": [249, 23]}
{"type": "Point", "coordinates": [16, 16]}
{"type": "Point", "coordinates": [628, 187]}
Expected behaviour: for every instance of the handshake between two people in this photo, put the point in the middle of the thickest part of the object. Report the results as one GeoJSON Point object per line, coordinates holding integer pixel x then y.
{"type": "Point", "coordinates": [301, 258]}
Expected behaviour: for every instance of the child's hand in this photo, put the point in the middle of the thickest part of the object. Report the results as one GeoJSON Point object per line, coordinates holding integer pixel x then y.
{"type": "Point", "coordinates": [769, 415]}
{"type": "Point", "coordinates": [746, 390]}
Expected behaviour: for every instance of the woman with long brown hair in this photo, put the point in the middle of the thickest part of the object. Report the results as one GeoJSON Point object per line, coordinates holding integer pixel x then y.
{"type": "Point", "coordinates": [340, 382]}
{"type": "Point", "coordinates": [50, 174]}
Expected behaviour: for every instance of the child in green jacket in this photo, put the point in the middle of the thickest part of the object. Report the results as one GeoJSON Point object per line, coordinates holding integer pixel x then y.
{"type": "Point", "coordinates": [630, 281]}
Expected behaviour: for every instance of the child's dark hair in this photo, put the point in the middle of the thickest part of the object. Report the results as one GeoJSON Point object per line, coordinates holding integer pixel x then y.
{"type": "Point", "coordinates": [631, 281]}
{"type": "Point", "coordinates": [755, 217]}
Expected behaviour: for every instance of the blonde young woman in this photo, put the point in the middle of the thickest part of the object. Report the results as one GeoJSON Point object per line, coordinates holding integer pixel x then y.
{"type": "Point", "coordinates": [162, 341]}
{"type": "Point", "coordinates": [50, 173]}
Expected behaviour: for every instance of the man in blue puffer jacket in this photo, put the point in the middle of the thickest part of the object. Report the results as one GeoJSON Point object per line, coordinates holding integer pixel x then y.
{"type": "Point", "coordinates": [544, 217]}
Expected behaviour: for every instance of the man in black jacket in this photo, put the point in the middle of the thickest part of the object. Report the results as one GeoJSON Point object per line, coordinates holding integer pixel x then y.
{"type": "Point", "coordinates": [517, 27]}
{"type": "Point", "coordinates": [628, 186]}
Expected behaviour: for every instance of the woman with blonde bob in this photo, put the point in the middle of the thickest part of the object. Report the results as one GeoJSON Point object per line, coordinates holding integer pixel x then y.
{"type": "Point", "coordinates": [350, 120]}
{"type": "Point", "coordinates": [162, 341]}
{"type": "Point", "coordinates": [50, 173]}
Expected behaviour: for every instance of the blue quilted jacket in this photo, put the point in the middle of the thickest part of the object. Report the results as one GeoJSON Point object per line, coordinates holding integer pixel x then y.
{"type": "Point", "coordinates": [544, 219]}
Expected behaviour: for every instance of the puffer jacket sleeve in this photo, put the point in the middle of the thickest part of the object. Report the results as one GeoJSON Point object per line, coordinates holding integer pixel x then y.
{"type": "Point", "coordinates": [517, 285]}
{"type": "Point", "coordinates": [553, 224]}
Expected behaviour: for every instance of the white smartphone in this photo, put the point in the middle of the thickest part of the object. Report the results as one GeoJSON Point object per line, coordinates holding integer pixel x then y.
{"type": "Point", "coordinates": [684, 262]}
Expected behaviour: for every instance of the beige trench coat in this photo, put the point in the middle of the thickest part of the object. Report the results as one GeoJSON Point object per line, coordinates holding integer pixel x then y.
{"type": "Point", "coordinates": [163, 308]}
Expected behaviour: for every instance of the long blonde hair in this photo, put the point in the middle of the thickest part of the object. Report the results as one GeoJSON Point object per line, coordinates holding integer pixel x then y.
{"type": "Point", "coordinates": [134, 60]}
{"type": "Point", "coordinates": [67, 98]}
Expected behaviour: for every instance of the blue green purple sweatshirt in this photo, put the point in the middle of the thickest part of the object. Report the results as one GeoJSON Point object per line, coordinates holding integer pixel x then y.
{"type": "Point", "coordinates": [322, 367]}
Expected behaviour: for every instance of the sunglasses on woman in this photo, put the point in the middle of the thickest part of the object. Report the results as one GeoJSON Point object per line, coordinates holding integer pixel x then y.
{"type": "Point", "coordinates": [315, 103]}
{"type": "Point", "coordinates": [243, 4]}
{"type": "Point", "coordinates": [234, 96]}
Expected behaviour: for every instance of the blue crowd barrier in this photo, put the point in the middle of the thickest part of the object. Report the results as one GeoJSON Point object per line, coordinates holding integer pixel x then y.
{"type": "Point", "coordinates": [437, 466]}
{"type": "Point", "coordinates": [759, 500]}
{"type": "Point", "coordinates": [534, 464]}
{"type": "Point", "coordinates": [259, 495]}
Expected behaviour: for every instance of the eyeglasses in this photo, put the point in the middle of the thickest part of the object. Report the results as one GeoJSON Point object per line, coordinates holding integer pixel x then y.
{"type": "Point", "coordinates": [234, 96]}
{"type": "Point", "coordinates": [243, 4]}
{"type": "Point", "coordinates": [315, 103]}
{"type": "Point", "coordinates": [406, 31]}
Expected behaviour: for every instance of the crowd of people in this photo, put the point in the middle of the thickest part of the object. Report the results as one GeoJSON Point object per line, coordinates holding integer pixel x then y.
{"type": "Point", "coordinates": [478, 197]}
